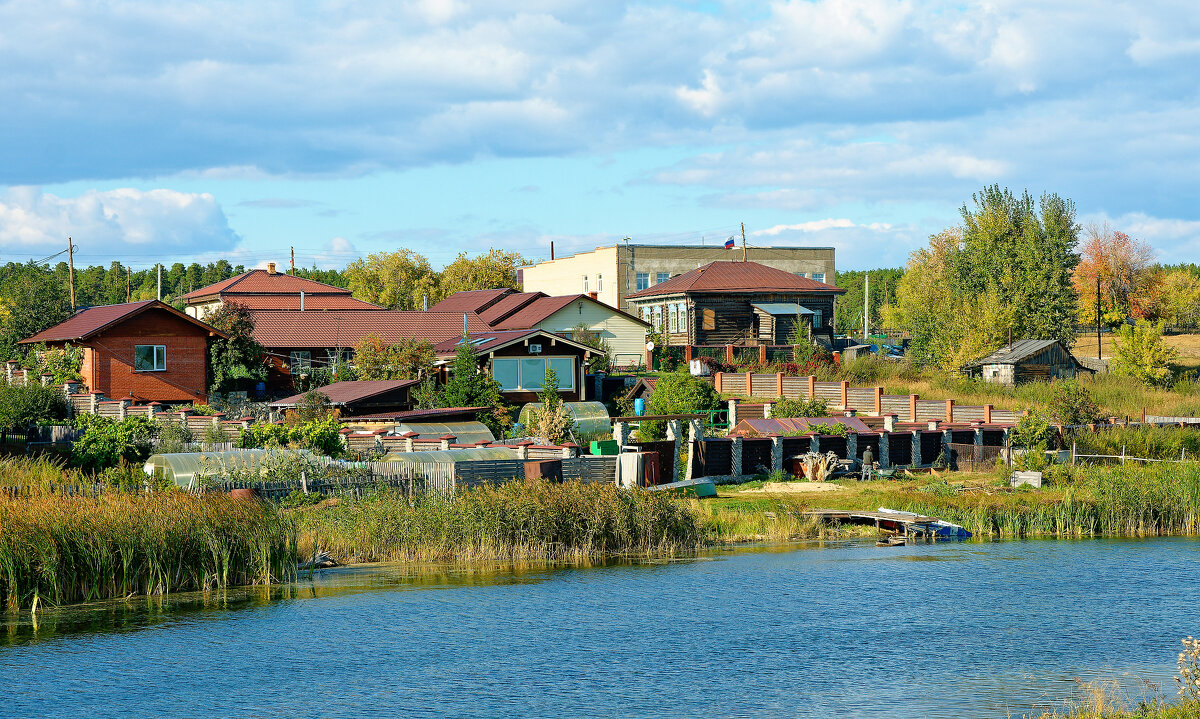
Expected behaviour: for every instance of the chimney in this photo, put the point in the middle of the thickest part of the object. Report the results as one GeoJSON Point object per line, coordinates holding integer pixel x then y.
{"type": "Point", "coordinates": [594, 295]}
{"type": "Point", "coordinates": [270, 268]}
{"type": "Point", "coordinates": [301, 300]}
{"type": "Point", "coordinates": [552, 249]}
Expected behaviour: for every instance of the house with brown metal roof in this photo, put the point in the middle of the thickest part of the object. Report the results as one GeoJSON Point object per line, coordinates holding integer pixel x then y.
{"type": "Point", "coordinates": [518, 360]}
{"type": "Point", "coordinates": [271, 290]}
{"type": "Point", "coordinates": [146, 350]}
{"type": "Point", "coordinates": [360, 397]}
{"type": "Point", "coordinates": [506, 309]}
{"type": "Point", "coordinates": [741, 303]}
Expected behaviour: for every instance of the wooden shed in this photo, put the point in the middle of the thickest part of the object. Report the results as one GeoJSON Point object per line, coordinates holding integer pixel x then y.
{"type": "Point", "coordinates": [1027, 361]}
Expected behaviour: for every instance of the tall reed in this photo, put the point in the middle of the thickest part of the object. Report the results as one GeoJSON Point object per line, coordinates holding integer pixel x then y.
{"type": "Point", "coordinates": [55, 549]}
{"type": "Point", "coordinates": [518, 520]}
{"type": "Point", "coordinates": [1146, 442]}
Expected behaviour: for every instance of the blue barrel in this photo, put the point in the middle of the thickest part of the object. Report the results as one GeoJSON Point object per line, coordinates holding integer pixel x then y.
{"type": "Point", "coordinates": [639, 406]}
{"type": "Point", "coordinates": [260, 389]}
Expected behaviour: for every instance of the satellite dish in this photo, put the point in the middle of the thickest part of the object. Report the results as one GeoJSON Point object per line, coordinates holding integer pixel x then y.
{"type": "Point", "coordinates": [650, 346]}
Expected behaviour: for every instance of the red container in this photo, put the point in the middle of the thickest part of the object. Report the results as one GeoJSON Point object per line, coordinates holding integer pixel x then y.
{"type": "Point", "coordinates": [651, 469]}
{"type": "Point", "coordinates": [244, 493]}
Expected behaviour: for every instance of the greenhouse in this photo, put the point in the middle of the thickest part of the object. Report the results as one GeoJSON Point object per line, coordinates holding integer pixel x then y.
{"type": "Point", "coordinates": [186, 468]}
{"type": "Point", "coordinates": [466, 432]}
{"type": "Point", "coordinates": [452, 456]}
{"type": "Point", "coordinates": [591, 418]}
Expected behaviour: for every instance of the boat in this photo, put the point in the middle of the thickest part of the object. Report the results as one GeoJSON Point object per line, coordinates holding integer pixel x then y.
{"type": "Point", "coordinates": [937, 527]}
{"type": "Point", "coordinates": [895, 540]}
{"type": "Point", "coordinates": [700, 487]}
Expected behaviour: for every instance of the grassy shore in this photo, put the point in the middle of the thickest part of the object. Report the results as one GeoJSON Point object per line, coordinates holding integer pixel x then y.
{"type": "Point", "coordinates": [1098, 501]}
{"type": "Point", "coordinates": [58, 550]}
{"type": "Point", "coordinates": [1103, 708]}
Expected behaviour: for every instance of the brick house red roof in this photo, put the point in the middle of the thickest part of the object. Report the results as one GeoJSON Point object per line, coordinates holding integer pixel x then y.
{"type": "Point", "coordinates": [506, 309]}
{"type": "Point", "coordinates": [263, 282]}
{"type": "Point", "coordinates": [342, 393]}
{"type": "Point", "coordinates": [344, 328]}
{"type": "Point", "coordinates": [93, 320]}
{"type": "Point", "coordinates": [736, 277]}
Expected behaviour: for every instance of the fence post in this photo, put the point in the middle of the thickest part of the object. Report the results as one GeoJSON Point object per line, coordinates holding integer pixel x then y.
{"type": "Point", "coordinates": [878, 402]}
{"type": "Point", "coordinates": [777, 454]}
{"type": "Point", "coordinates": [122, 406]}
{"type": "Point", "coordinates": [694, 435]}
{"type": "Point", "coordinates": [733, 403]}
{"type": "Point", "coordinates": [949, 410]}
{"type": "Point", "coordinates": [987, 414]}
{"type": "Point", "coordinates": [885, 450]}
{"type": "Point", "coordinates": [845, 390]}
{"type": "Point", "coordinates": [674, 430]}
{"type": "Point", "coordinates": [718, 382]}
{"type": "Point", "coordinates": [852, 446]}
{"type": "Point", "coordinates": [735, 457]}
{"type": "Point", "coordinates": [620, 434]}
{"type": "Point", "coordinates": [812, 387]}
{"type": "Point", "coordinates": [779, 384]}
{"type": "Point", "coordinates": [728, 354]}
{"type": "Point", "coordinates": [768, 408]}
{"type": "Point", "coordinates": [687, 353]}
{"type": "Point", "coordinates": [749, 384]}
{"type": "Point", "coordinates": [912, 407]}
{"type": "Point", "coordinates": [762, 354]}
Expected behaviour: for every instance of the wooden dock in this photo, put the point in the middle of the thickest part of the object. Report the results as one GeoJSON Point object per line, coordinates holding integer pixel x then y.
{"type": "Point", "coordinates": [884, 521]}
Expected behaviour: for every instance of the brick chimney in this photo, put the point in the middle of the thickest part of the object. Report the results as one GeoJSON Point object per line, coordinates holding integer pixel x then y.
{"type": "Point", "coordinates": [270, 268]}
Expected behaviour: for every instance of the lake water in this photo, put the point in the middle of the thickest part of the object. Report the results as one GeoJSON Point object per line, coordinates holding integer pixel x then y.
{"type": "Point", "coordinates": [845, 629]}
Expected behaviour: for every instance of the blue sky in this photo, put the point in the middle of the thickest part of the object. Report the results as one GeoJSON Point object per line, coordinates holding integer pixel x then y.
{"type": "Point", "coordinates": [170, 132]}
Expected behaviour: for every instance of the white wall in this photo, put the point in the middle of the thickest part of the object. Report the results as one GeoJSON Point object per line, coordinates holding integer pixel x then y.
{"type": "Point", "coordinates": [627, 337]}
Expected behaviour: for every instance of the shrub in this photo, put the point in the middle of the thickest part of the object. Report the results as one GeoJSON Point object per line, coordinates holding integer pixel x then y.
{"type": "Point", "coordinates": [321, 436]}
{"type": "Point", "coordinates": [677, 393]}
{"type": "Point", "coordinates": [1142, 353]}
{"type": "Point", "coordinates": [1072, 404]}
{"type": "Point", "coordinates": [550, 419]}
{"type": "Point", "coordinates": [106, 442]}
{"type": "Point", "coordinates": [1033, 431]}
{"type": "Point", "coordinates": [22, 407]}
{"type": "Point", "coordinates": [836, 429]}
{"type": "Point", "coordinates": [173, 437]}
{"type": "Point", "coordinates": [785, 408]}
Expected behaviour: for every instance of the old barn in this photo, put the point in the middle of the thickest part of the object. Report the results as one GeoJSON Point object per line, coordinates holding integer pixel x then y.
{"type": "Point", "coordinates": [1027, 361]}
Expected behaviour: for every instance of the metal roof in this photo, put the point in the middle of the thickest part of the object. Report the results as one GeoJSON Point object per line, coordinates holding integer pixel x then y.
{"type": "Point", "coordinates": [343, 393]}
{"type": "Point", "coordinates": [470, 300]}
{"type": "Point", "coordinates": [286, 329]}
{"type": "Point", "coordinates": [1019, 350]}
{"type": "Point", "coordinates": [261, 281]}
{"type": "Point", "coordinates": [782, 308]}
{"type": "Point", "coordinates": [742, 277]}
{"type": "Point", "coordinates": [93, 320]}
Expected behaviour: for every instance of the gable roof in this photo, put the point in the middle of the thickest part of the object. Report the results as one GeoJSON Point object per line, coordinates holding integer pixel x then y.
{"type": "Point", "coordinates": [508, 306]}
{"type": "Point", "coordinates": [94, 320]}
{"type": "Point", "coordinates": [344, 328]}
{"type": "Point", "coordinates": [1020, 350]}
{"type": "Point", "coordinates": [344, 393]}
{"type": "Point", "coordinates": [489, 341]}
{"type": "Point", "coordinates": [470, 300]}
{"type": "Point", "coordinates": [740, 277]}
{"type": "Point", "coordinates": [263, 282]}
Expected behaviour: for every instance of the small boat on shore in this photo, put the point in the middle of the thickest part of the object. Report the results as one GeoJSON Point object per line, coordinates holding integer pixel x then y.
{"type": "Point", "coordinates": [938, 527]}
{"type": "Point", "coordinates": [895, 540]}
{"type": "Point", "coordinates": [700, 487]}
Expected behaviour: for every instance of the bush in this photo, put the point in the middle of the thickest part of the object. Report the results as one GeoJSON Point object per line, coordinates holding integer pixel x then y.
{"type": "Point", "coordinates": [549, 419]}
{"type": "Point", "coordinates": [785, 408]}
{"type": "Point", "coordinates": [106, 442]}
{"type": "Point", "coordinates": [173, 437]}
{"type": "Point", "coordinates": [22, 407]}
{"type": "Point", "coordinates": [1072, 404]}
{"type": "Point", "coordinates": [677, 393]}
{"type": "Point", "coordinates": [321, 436]}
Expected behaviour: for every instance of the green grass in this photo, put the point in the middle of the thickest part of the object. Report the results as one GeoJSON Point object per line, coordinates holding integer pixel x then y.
{"type": "Point", "coordinates": [58, 550]}
{"type": "Point", "coordinates": [1145, 442]}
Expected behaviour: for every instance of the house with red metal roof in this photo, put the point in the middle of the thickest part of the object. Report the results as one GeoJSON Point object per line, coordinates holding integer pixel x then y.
{"type": "Point", "coordinates": [518, 360]}
{"type": "Point", "coordinates": [506, 309]}
{"type": "Point", "coordinates": [271, 290]}
{"type": "Point", "coordinates": [738, 303]}
{"type": "Point", "coordinates": [146, 350]}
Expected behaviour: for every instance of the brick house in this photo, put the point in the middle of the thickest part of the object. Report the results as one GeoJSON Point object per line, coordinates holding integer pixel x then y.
{"type": "Point", "coordinates": [146, 350]}
{"type": "Point", "coordinates": [271, 290]}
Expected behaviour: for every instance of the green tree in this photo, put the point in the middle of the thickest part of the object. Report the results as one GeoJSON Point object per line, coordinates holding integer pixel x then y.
{"type": "Point", "coordinates": [677, 393]}
{"type": "Point", "coordinates": [31, 299]}
{"type": "Point", "coordinates": [374, 359]}
{"type": "Point", "coordinates": [1140, 352]}
{"type": "Point", "coordinates": [602, 360]}
{"type": "Point", "coordinates": [239, 359]}
{"type": "Point", "coordinates": [784, 408]}
{"type": "Point", "coordinates": [468, 387]}
{"type": "Point", "coordinates": [22, 407]}
{"type": "Point", "coordinates": [550, 418]}
{"type": "Point", "coordinates": [849, 308]}
{"type": "Point", "coordinates": [490, 270]}
{"type": "Point", "coordinates": [397, 280]}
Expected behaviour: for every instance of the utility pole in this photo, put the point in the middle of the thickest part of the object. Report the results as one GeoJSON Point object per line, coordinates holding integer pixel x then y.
{"type": "Point", "coordinates": [866, 305]}
{"type": "Point", "coordinates": [127, 288]}
{"type": "Point", "coordinates": [293, 261]}
{"type": "Point", "coordinates": [1099, 347]}
{"type": "Point", "coordinates": [743, 242]}
{"type": "Point", "coordinates": [160, 282]}
{"type": "Point", "coordinates": [71, 270]}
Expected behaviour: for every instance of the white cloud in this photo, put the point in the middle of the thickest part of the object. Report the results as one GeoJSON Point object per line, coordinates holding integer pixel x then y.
{"type": "Point", "coordinates": [812, 226]}
{"type": "Point", "coordinates": [106, 223]}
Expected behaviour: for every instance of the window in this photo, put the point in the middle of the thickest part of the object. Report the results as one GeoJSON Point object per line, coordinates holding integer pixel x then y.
{"type": "Point", "coordinates": [682, 325]}
{"type": "Point", "coordinates": [709, 319]}
{"type": "Point", "coordinates": [662, 277]}
{"type": "Point", "coordinates": [801, 274]}
{"type": "Point", "coordinates": [672, 317]}
{"type": "Point", "coordinates": [658, 318]}
{"type": "Point", "coordinates": [585, 289]}
{"type": "Point", "coordinates": [643, 280]}
{"type": "Point", "coordinates": [818, 319]}
{"type": "Point", "coordinates": [149, 358]}
{"type": "Point", "coordinates": [819, 276]}
{"type": "Point", "coordinates": [599, 283]}
{"type": "Point", "coordinates": [529, 373]}
{"type": "Point", "coordinates": [300, 359]}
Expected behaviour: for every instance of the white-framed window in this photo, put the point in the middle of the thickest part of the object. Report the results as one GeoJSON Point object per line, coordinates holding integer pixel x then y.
{"type": "Point", "coordinates": [527, 374]}
{"type": "Point", "coordinates": [818, 276]}
{"type": "Point", "coordinates": [661, 277]}
{"type": "Point", "coordinates": [801, 274]}
{"type": "Point", "coordinates": [681, 323]}
{"type": "Point", "coordinates": [599, 283]}
{"type": "Point", "coordinates": [300, 359]}
{"type": "Point", "coordinates": [658, 318]}
{"type": "Point", "coordinates": [149, 358]}
{"type": "Point", "coordinates": [643, 280]}
{"type": "Point", "coordinates": [585, 284]}
{"type": "Point", "coordinates": [672, 316]}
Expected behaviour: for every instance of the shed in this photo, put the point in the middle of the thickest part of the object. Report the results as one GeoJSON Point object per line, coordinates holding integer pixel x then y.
{"type": "Point", "coordinates": [360, 396]}
{"type": "Point", "coordinates": [1027, 361]}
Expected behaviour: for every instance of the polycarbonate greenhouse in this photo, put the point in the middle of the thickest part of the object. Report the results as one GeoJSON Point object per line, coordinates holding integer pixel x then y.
{"type": "Point", "coordinates": [451, 456]}
{"type": "Point", "coordinates": [186, 468]}
{"type": "Point", "coordinates": [467, 432]}
{"type": "Point", "coordinates": [591, 418]}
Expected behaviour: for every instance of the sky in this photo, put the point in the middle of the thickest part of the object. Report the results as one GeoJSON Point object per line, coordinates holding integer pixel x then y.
{"type": "Point", "coordinates": [168, 132]}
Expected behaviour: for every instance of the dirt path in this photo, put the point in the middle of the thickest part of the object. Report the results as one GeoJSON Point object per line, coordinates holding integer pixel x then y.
{"type": "Point", "coordinates": [796, 487]}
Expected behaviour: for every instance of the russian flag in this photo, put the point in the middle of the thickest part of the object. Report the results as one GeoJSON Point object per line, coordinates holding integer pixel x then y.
{"type": "Point", "coordinates": [729, 244]}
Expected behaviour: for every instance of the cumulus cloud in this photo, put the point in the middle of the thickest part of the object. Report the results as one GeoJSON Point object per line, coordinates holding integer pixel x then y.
{"type": "Point", "coordinates": [106, 223]}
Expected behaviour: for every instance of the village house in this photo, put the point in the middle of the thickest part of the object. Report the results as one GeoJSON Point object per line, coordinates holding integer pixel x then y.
{"type": "Point", "coordinates": [1027, 361]}
{"type": "Point", "coordinates": [518, 360]}
{"type": "Point", "coordinates": [271, 290]}
{"type": "Point", "coordinates": [506, 309]}
{"type": "Point", "coordinates": [738, 303]}
{"type": "Point", "coordinates": [146, 350]}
